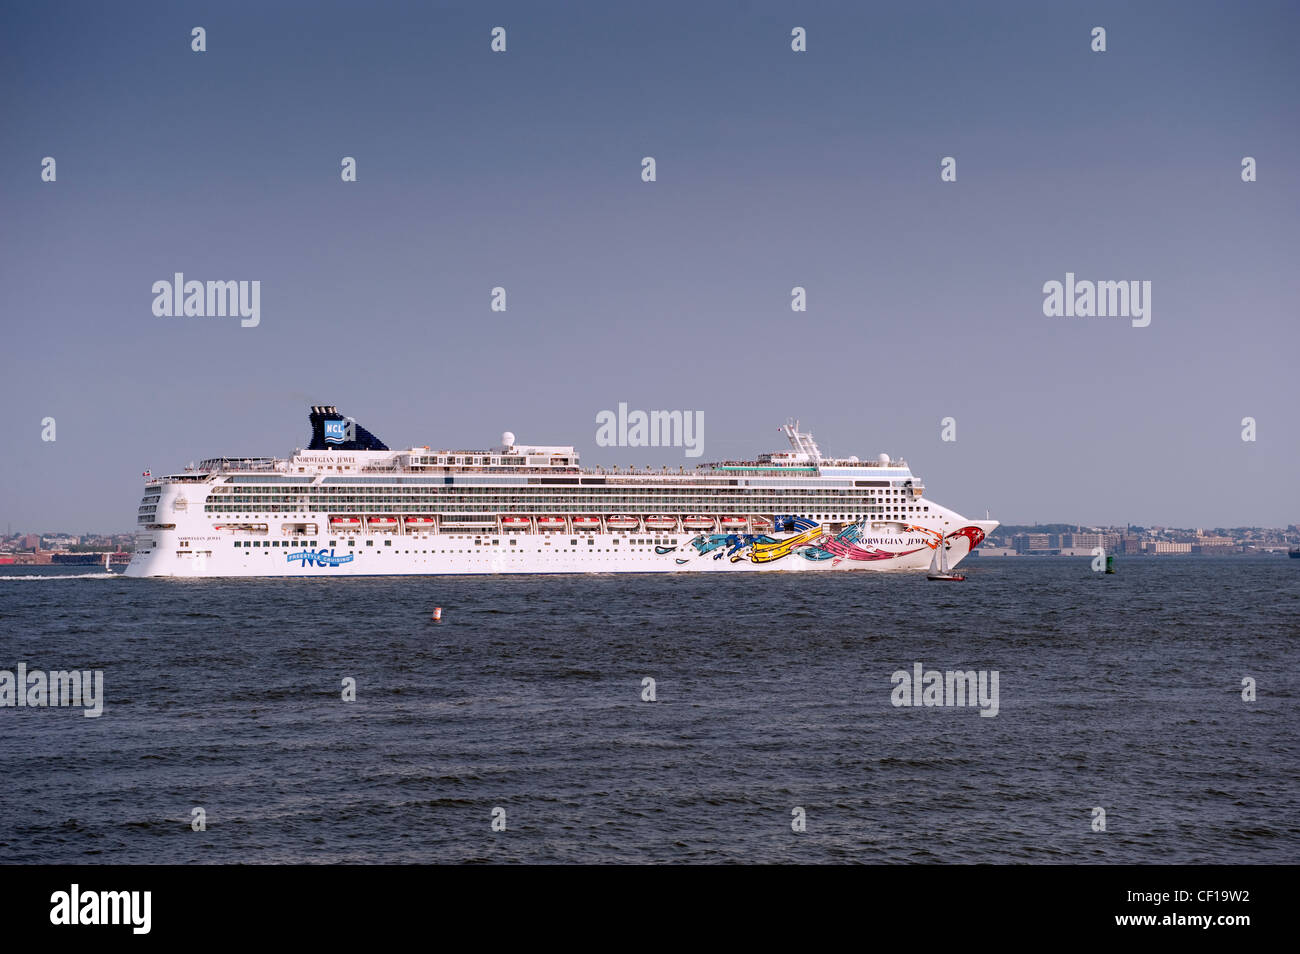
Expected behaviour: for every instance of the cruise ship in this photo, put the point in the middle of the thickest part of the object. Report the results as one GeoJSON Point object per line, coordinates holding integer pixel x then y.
{"type": "Point", "coordinates": [347, 505]}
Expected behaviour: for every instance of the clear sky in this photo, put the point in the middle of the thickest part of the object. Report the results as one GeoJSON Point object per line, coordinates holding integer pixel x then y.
{"type": "Point", "coordinates": [522, 169]}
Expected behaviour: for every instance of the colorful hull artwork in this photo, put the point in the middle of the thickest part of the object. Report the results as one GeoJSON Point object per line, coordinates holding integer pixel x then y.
{"type": "Point", "coordinates": [814, 543]}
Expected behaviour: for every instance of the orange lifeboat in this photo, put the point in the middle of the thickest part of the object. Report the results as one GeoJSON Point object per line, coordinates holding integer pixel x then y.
{"type": "Point", "coordinates": [734, 523]}
{"type": "Point", "coordinates": [619, 521]}
{"type": "Point", "coordinates": [586, 523]}
{"type": "Point", "coordinates": [550, 523]}
{"type": "Point", "coordinates": [659, 521]}
{"type": "Point", "coordinates": [350, 522]}
{"type": "Point", "coordinates": [516, 523]}
{"type": "Point", "coordinates": [698, 522]}
{"type": "Point", "coordinates": [419, 522]}
{"type": "Point", "coordinates": [383, 523]}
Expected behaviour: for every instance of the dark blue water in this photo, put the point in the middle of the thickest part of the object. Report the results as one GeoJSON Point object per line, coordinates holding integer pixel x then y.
{"type": "Point", "coordinates": [1120, 692]}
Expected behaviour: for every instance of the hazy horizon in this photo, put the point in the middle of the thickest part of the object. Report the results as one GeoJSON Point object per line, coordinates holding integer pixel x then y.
{"type": "Point", "coordinates": [775, 169]}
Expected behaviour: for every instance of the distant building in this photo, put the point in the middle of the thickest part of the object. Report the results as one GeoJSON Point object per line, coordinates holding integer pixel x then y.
{"type": "Point", "coordinates": [1036, 542]}
{"type": "Point", "coordinates": [1129, 543]}
{"type": "Point", "coordinates": [1208, 545]}
{"type": "Point", "coordinates": [1088, 540]}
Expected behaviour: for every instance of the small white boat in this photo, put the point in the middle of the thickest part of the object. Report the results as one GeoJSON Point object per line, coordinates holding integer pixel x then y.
{"type": "Point", "coordinates": [939, 565]}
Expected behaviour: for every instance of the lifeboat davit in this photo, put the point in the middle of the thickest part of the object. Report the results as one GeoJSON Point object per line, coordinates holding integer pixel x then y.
{"type": "Point", "coordinates": [620, 521]}
{"type": "Point", "coordinates": [419, 521]}
{"type": "Point", "coordinates": [515, 523]}
{"type": "Point", "coordinates": [586, 523]}
{"type": "Point", "coordinates": [659, 521]}
{"type": "Point", "coordinates": [734, 523]}
{"type": "Point", "coordinates": [345, 521]}
{"type": "Point", "coordinates": [550, 523]}
{"type": "Point", "coordinates": [698, 522]}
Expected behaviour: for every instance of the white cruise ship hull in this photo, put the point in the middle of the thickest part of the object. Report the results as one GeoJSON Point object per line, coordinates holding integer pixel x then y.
{"type": "Point", "coordinates": [200, 555]}
{"type": "Point", "coordinates": [349, 506]}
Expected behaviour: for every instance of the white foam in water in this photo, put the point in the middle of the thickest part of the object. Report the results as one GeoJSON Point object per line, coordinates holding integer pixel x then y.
{"type": "Point", "coordinates": [69, 576]}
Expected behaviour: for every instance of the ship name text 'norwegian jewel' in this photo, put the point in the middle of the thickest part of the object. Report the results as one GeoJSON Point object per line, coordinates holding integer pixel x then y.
{"type": "Point", "coordinates": [349, 506]}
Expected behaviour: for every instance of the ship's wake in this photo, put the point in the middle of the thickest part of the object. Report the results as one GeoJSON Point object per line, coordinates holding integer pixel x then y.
{"type": "Point", "coordinates": [65, 576]}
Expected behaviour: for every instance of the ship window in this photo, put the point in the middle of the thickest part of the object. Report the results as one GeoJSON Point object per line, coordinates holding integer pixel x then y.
{"type": "Point", "coordinates": [388, 543]}
{"type": "Point", "coordinates": [370, 543]}
{"type": "Point", "coordinates": [352, 543]}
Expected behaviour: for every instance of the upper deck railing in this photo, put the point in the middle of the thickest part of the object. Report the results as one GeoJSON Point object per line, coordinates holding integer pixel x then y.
{"type": "Point", "coordinates": [221, 465]}
{"type": "Point", "coordinates": [771, 464]}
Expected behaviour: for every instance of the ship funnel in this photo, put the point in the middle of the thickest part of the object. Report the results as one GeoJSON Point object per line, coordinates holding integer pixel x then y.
{"type": "Point", "coordinates": [331, 430]}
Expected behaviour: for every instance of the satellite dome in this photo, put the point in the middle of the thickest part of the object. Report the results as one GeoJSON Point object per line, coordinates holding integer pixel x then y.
{"type": "Point", "coordinates": [853, 459]}
{"type": "Point", "coordinates": [883, 458]}
{"type": "Point", "coordinates": [508, 439]}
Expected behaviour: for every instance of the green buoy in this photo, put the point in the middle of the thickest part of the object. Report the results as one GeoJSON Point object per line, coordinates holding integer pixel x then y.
{"type": "Point", "coordinates": [1110, 564]}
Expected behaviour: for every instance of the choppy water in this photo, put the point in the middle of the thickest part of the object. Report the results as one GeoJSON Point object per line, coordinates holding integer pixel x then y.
{"type": "Point", "coordinates": [773, 692]}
